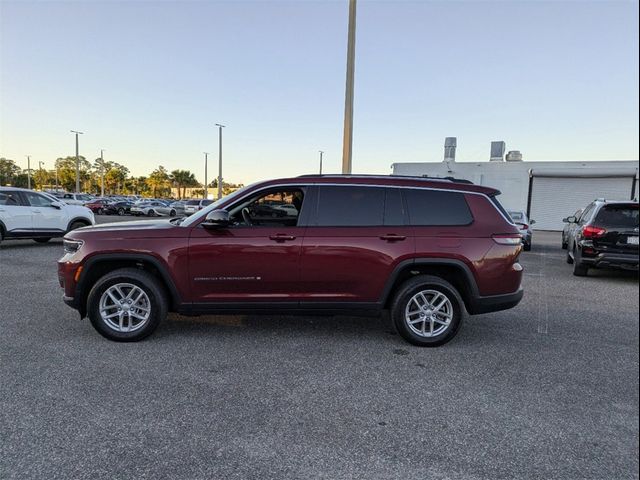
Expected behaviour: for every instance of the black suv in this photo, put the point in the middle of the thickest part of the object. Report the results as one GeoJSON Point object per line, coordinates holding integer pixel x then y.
{"type": "Point", "coordinates": [604, 236]}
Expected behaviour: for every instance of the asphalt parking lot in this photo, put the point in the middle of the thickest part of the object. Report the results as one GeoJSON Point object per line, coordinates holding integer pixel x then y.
{"type": "Point", "coordinates": [546, 390]}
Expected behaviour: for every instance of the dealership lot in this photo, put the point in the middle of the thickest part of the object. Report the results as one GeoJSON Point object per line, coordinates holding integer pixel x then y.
{"type": "Point", "coordinates": [546, 390]}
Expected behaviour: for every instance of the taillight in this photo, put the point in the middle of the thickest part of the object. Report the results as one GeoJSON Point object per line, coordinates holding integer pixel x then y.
{"type": "Point", "coordinates": [590, 231]}
{"type": "Point", "coordinates": [508, 239]}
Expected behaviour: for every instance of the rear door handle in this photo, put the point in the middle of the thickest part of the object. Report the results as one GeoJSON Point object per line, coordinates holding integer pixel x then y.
{"type": "Point", "coordinates": [281, 237]}
{"type": "Point", "coordinates": [393, 238]}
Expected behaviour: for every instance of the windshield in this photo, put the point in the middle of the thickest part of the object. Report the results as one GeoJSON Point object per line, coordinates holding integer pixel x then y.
{"type": "Point", "coordinates": [203, 213]}
{"type": "Point", "coordinates": [625, 216]}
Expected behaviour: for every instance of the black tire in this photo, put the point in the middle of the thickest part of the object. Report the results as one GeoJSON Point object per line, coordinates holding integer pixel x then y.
{"type": "Point", "coordinates": [1, 235]}
{"type": "Point", "coordinates": [144, 280]}
{"type": "Point", "coordinates": [172, 213]}
{"type": "Point", "coordinates": [565, 245]}
{"type": "Point", "coordinates": [100, 211]}
{"type": "Point", "coordinates": [527, 247]}
{"type": "Point", "coordinates": [42, 240]}
{"type": "Point", "coordinates": [121, 211]}
{"type": "Point", "coordinates": [403, 296]}
{"type": "Point", "coordinates": [77, 224]}
{"type": "Point", "coordinates": [151, 213]}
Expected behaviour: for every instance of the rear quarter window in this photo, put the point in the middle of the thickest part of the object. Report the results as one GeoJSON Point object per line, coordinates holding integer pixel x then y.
{"type": "Point", "coordinates": [437, 208]}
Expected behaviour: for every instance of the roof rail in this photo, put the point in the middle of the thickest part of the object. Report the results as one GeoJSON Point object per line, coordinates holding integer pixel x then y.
{"type": "Point", "coordinates": [420, 177]}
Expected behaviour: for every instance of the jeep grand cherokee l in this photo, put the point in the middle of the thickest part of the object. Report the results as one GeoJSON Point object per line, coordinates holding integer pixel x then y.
{"type": "Point", "coordinates": [426, 249]}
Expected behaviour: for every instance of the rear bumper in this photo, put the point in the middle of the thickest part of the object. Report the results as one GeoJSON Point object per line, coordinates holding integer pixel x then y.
{"type": "Point", "coordinates": [495, 303]}
{"type": "Point", "coordinates": [626, 261]}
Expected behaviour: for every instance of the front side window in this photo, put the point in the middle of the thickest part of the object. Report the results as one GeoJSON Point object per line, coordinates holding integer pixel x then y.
{"type": "Point", "coordinates": [37, 200]}
{"type": "Point", "coordinates": [274, 208]}
{"type": "Point", "coordinates": [350, 206]}
{"type": "Point", "coordinates": [437, 208]}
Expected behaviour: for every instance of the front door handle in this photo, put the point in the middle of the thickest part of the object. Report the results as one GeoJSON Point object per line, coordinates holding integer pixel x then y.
{"type": "Point", "coordinates": [281, 237]}
{"type": "Point", "coordinates": [393, 238]}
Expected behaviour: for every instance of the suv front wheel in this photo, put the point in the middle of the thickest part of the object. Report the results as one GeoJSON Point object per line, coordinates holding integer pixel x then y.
{"type": "Point", "coordinates": [427, 311]}
{"type": "Point", "coordinates": [126, 305]}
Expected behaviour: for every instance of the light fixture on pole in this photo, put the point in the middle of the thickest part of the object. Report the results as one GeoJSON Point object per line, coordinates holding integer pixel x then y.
{"type": "Point", "coordinates": [347, 138]}
{"type": "Point", "coordinates": [28, 171]}
{"type": "Point", "coordinates": [77, 162]}
{"type": "Point", "coordinates": [321, 152]}
{"type": "Point", "coordinates": [220, 127]}
{"type": "Point", "coordinates": [206, 185]}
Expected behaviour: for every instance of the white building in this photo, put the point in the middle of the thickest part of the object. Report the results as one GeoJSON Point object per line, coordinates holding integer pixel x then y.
{"type": "Point", "coordinates": [547, 190]}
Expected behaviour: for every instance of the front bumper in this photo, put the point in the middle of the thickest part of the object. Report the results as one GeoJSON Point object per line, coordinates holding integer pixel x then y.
{"type": "Point", "coordinates": [495, 303]}
{"type": "Point", "coordinates": [625, 261]}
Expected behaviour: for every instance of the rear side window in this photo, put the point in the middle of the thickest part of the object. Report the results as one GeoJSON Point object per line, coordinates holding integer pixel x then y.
{"type": "Point", "coordinates": [9, 198]}
{"type": "Point", "coordinates": [350, 206]}
{"type": "Point", "coordinates": [617, 216]}
{"type": "Point", "coordinates": [437, 208]}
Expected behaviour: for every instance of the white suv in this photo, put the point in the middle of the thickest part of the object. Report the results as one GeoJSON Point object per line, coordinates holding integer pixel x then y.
{"type": "Point", "coordinates": [40, 216]}
{"type": "Point", "coordinates": [77, 198]}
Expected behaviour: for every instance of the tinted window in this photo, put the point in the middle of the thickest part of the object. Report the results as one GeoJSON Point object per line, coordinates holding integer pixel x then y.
{"type": "Point", "coordinates": [394, 211]}
{"type": "Point", "coordinates": [193, 202]}
{"type": "Point", "coordinates": [350, 206]}
{"type": "Point", "coordinates": [617, 216]}
{"type": "Point", "coordinates": [433, 207]}
{"type": "Point", "coordinates": [9, 198]}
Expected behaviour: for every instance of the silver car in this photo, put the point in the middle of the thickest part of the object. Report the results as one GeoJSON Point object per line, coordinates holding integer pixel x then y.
{"type": "Point", "coordinates": [153, 209]}
{"type": "Point", "coordinates": [524, 225]}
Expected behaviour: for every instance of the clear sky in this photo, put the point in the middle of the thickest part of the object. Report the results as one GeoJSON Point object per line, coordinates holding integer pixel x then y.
{"type": "Point", "coordinates": [147, 81]}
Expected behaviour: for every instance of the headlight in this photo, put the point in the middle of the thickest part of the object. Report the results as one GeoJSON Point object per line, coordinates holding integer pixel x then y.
{"type": "Point", "coordinates": [72, 246]}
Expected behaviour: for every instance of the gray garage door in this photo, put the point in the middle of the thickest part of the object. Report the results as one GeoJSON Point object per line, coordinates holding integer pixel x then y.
{"type": "Point", "coordinates": [553, 198]}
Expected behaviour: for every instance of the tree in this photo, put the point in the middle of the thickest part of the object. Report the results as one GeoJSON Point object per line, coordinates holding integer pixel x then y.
{"type": "Point", "coordinates": [67, 172]}
{"type": "Point", "coordinates": [182, 179]}
{"type": "Point", "coordinates": [8, 171]}
{"type": "Point", "coordinates": [158, 182]}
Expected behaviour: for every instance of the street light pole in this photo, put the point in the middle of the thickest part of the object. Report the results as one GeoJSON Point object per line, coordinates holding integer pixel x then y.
{"type": "Point", "coordinates": [102, 173]}
{"type": "Point", "coordinates": [29, 172]}
{"type": "Point", "coordinates": [321, 152]}
{"type": "Point", "coordinates": [77, 162]}
{"type": "Point", "coordinates": [206, 185]}
{"type": "Point", "coordinates": [220, 127]}
{"type": "Point", "coordinates": [347, 139]}
{"type": "Point", "coordinates": [40, 163]}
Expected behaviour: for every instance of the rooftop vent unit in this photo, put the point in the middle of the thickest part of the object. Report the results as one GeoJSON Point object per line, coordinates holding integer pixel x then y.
{"type": "Point", "coordinates": [450, 144]}
{"type": "Point", "coordinates": [514, 156]}
{"type": "Point", "coordinates": [497, 151]}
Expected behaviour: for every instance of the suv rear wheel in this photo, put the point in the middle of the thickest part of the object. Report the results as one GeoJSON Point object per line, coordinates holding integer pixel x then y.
{"type": "Point", "coordinates": [126, 305]}
{"type": "Point", "coordinates": [427, 311]}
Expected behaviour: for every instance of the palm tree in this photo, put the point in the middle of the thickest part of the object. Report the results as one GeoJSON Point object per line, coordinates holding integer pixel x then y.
{"type": "Point", "coordinates": [182, 179]}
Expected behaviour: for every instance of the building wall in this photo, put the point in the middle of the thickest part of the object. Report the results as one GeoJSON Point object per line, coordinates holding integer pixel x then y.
{"type": "Point", "coordinates": [512, 179]}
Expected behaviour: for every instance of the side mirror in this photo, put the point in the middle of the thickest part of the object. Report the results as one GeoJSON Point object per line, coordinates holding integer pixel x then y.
{"type": "Point", "coordinates": [217, 219]}
{"type": "Point", "coordinates": [532, 222]}
{"type": "Point", "coordinates": [56, 205]}
{"type": "Point", "coordinates": [570, 219]}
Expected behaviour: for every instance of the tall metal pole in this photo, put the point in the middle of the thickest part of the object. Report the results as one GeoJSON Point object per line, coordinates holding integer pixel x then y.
{"type": "Point", "coordinates": [40, 168]}
{"type": "Point", "coordinates": [347, 138]}
{"type": "Point", "coordinates": [220, 127]}
{"type": "Point", "coordinates": [77, 162]}
{"type": "Point", "coordinates": [321, 152]}
{"type": "Point", "coordinates": [206, 185]}
{"type": "Point", "coordinates": [101, 173]}
{"type": "Point", "coordinates": [29, 172]}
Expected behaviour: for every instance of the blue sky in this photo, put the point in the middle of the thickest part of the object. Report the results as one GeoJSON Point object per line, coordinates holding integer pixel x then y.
{"type": "Point", "coordinates": [148, 80]}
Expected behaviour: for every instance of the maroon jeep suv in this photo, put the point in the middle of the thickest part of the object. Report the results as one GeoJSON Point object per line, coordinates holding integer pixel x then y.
{"type": "Point", "coordinates": [426, 249]}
